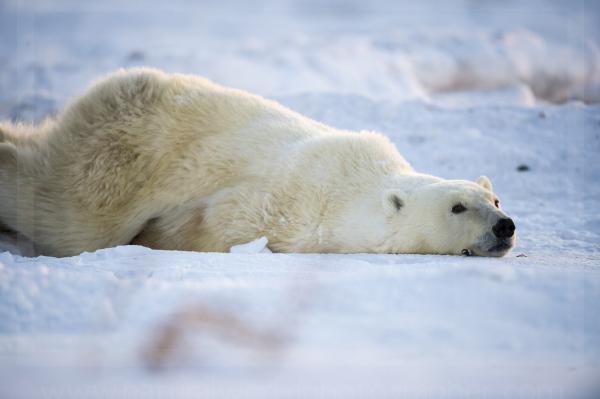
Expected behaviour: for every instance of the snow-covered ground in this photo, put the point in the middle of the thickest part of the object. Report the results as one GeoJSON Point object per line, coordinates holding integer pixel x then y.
{"type": "Point", "coordinates": [463, 88]}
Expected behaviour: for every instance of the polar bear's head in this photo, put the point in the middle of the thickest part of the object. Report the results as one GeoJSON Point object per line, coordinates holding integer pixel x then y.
{"type": "Point", "coordinates": [424, 214]}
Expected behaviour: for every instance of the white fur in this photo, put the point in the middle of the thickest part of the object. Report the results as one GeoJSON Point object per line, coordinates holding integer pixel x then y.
{"type": "Point", "coordinates": [178, 162]}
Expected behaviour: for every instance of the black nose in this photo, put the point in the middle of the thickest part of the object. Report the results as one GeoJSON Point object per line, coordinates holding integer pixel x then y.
{"type": "Point", "coordinates": [504, 228]}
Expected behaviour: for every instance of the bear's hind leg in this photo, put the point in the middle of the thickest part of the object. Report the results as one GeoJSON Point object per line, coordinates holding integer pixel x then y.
{"type": "Point", "coordinates": [180, 229]}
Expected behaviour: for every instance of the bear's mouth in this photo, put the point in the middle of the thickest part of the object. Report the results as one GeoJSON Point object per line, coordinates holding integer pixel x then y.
{"type": "Point", "coordinates": [499, 247]}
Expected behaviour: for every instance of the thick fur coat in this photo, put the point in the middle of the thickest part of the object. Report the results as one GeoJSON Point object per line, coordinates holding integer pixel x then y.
{"type": "Point", "coordinates": [178, 162]}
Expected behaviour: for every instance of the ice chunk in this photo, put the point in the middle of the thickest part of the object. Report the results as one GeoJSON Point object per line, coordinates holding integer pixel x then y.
{"type": "Point", "coordinates": [253, 247]}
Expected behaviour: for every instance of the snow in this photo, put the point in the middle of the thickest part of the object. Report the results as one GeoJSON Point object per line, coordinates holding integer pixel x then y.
{"type": "Point", "coordinates": [462, 88]}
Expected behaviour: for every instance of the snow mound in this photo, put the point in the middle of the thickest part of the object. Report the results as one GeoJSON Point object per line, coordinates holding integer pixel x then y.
{"type": "Point", "coordinates": [396, 53]}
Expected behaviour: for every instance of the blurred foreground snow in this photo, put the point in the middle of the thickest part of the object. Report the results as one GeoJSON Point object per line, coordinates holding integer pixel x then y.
{"type": "Point", "coordinates": [462, 88]}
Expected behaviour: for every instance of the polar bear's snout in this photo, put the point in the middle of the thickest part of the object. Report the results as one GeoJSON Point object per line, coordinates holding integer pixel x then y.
{"type": "Point", "coordinates": [499, 241]}
{"type": "Point", "coordinates": [505, 228]}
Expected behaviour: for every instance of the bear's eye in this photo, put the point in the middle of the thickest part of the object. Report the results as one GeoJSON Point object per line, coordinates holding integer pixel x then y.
{"type": "Point", "coordinates": [458, 208]}
{"type": "Point", "coordinates": [497, 203]}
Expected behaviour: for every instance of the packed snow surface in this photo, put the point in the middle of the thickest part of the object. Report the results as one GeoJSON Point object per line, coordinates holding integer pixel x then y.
{"type": "Point", "coordinates": [506, 89]}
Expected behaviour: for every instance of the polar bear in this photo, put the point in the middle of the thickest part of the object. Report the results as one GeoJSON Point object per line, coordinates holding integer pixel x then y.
{"type": "Point", "coordinates": [178, 162]}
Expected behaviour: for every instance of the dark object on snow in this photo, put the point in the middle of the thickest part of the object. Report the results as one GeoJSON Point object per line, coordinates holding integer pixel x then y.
{"type": "Point", "coordinates": [136, 56]}
{"type": "Point", "coordinates": [522, 168]}
{"type": "Point", "coordinates": [168, 341]}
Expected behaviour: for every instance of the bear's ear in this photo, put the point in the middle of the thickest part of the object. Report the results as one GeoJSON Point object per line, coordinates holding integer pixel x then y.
{"type": "Point", "coordinates": [484, 182]}
{"type": "Point", "coordinates": [392, 202]}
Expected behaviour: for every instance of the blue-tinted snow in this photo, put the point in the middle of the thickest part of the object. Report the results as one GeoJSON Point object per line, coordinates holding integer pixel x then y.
{"type": "Point", "coordinates": [463, 88]}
